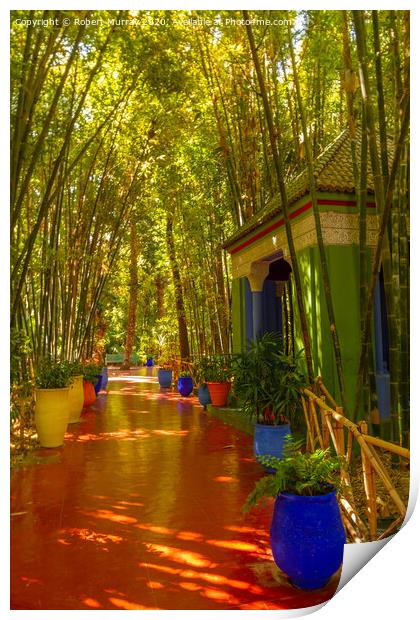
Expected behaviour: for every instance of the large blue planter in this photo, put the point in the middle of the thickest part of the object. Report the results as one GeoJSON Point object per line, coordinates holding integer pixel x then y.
{"type": "Point", "coordinates": [98, 384]}
{"type": "Point", "coordinates": [269, 440]}
{"type": "Point", "coordinates": [307, 538]}
{"type": "Point", "coordinates": [185, 386]}
{"type": "Point", "coordinates": [204, 395]}
{"type": "Point", "coordinates": [104, 378]}
{"type": "Point", "coordinates": [165, 377]}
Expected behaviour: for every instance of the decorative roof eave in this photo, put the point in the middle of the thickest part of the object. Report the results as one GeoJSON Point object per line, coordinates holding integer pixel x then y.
{"type": "Point", "coordinates": [333, 171]}
{"type": "Point", "coordinates": [265, 227]}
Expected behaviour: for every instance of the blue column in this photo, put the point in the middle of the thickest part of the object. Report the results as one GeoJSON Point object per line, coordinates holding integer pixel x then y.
{"type": "Point", "coordinates": [257, 313]}
{"type": "Point", "coordinates": [382, 372]}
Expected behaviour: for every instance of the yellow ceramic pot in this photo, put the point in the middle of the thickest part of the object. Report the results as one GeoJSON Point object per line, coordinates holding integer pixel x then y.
{"type": "Point", "coordinates": [76, 398]}
{"type": "Point", "coordinates": [51, 416]}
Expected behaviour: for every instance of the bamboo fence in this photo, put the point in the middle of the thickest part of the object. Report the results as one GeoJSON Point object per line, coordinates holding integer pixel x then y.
{"type": "Point", "coordinates": [328, 427]}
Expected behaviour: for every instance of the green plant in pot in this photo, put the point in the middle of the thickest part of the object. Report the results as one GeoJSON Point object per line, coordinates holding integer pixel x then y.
{"type": "Point", "coordinates": [52, 380]}
{"type": "Point", "coordinates": [268, 384]}
{"type": "Point", "coordinates": [217, 374]}
{"type": "Point", "coordinates": [91, 378]}
{"type": "Point", "coordinates": [307, 535]}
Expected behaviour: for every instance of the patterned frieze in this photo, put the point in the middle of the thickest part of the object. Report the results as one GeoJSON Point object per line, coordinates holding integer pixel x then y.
{"type": "Point", "coordinates": [337, 229]}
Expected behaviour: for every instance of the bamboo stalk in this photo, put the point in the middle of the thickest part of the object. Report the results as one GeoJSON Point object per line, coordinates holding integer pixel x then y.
{"type": "Point", "coordinates": [350, 527]}
{"type": "Point", "coordinates": [324, 390]}
{"type": "Point", "coordinates": [377, 466]}
{"type": "Point", "coordinates": [308, 425]}
{"type": "Point", "coordinates": [349, 446]}
{"type": "Point", "coordinates": [353, 516]}
{"type": "Point", "coordinates": [314, 416]}
{"type": "Point", "coordinates": [387, 445]}
{"type": "Point", "coordinates": [390, 528]}
{"type": "Point", "coordinates": [273, 135]}
{"type": "Point", "coordinates": [324, 426]}
{"type": "Point", "coordinates": [328, 424]}
{"type": "Point", "coordinates": [319, 236]}
{"type": "Point", "coordinates": [370, 488]}
{"type": "Point", "coordinates": [339, 432]}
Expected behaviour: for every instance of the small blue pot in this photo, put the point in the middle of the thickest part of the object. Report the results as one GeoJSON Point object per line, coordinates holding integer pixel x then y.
{"type": "Point", "coordinates": [98, 384]}
{"type": "Point", "coordinates": [307, 538]}
{"type": "Point", "coordinates": [149, 361]}
{"type": "Point", "coordinates": [204, 395]}
{"type": "Point", "coordinates": [104, 378]}
{"type": "Point", "coordinates": [165, 377]}
{"type": "Point", "coordinates": [269, 441]}
{"type": "Point", "coordinates": [185, 386]}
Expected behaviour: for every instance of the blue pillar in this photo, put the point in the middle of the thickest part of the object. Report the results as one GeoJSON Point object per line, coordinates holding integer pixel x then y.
{"type": "Point", "coordinates": [257, 313]}
{"type": "Point", "coordinates": [382, 372]}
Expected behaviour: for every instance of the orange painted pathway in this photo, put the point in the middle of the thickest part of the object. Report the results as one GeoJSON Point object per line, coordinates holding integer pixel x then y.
{"type": "Point", "coordinates": [141, 509]}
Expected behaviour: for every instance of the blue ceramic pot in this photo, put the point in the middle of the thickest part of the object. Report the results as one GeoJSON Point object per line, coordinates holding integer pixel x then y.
{"type": "Point", "coordinates": [204, 395]}
{"type": "Point", "coordinates": [269, 440]}
{"type": "Point", "coordinates": [307, 538]}
{"type": "Point", "coordinates": [165, 377]}
{"type": "Point", "coordinates": [104, 378]}
{"type": "Point", "coordinates": [149, 361]}
{"type": "Point", "coordinates": [185, 386]}
{"type": "Point", "coordinates": [98, 384]}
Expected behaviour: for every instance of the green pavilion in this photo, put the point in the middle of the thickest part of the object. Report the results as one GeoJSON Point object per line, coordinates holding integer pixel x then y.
{"type": "Point", "coordinates": [262, 288]}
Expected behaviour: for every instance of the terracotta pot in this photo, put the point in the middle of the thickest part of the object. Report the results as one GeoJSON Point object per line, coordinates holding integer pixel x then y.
{"type": "Point", "coordinates": [76, 399]}
{"type": "Point", "coordinates": [218, 393]}
{"type": "Point", "coordinates": [51, 416]}
{"type": "Point", "coordinates": [89, 394]}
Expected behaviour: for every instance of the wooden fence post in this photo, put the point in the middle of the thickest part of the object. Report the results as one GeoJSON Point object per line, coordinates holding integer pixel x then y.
{"type": "Point", "coordinates": [370, 486]}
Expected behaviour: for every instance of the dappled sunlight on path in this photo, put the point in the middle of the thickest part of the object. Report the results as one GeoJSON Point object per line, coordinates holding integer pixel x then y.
{"type": "Point", "coordinates": [141, 509]}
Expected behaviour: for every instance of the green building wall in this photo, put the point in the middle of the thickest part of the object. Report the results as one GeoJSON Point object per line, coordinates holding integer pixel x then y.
{"type": "Point", "coordinates": [343, 268]}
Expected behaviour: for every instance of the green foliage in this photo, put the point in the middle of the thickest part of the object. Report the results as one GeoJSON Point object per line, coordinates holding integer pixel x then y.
{"type": "Point", "coordinates": [184, 373]}
{"type": "Point", "coordinates": [91, 371]}
{"type": "Point", "coordinates": [20, 350]}
{"type": "Point", "coordinates": [75, 368]}
{"type": "Point", "coordinates": [52, 374]}
{"type": "Point", "coordinates": [267, 382]}
{"type": "Point", "coordinates": [214, 368]}
{"type": "Point", "coordinates": [308, 473]}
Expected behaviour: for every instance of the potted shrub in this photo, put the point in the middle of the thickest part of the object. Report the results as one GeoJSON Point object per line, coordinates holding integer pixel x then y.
{"type": "Point", "coordinates": [267, 384]}
{"type": "Point", "coordinates": [218, 374]}
{"type": "Point", "coordinates": [91, 374]}
{"type": "Point", "coordinates": [76, 394]}
{"type": "Point", "coordinates": [165, 375]}
{"type": "Point", "coordinates": [307, 535]}
{"type": "Point", "coordinates": [52, 381]}
{"type": "Point", "coordinates": [185, 383]}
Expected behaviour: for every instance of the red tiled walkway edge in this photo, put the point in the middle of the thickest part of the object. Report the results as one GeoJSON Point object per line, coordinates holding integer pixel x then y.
{"type": "Point", "coordinates": [141, 509]}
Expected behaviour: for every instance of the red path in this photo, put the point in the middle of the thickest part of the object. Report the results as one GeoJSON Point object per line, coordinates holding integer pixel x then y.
{"type": "Point", "coordinates": [141, 509]}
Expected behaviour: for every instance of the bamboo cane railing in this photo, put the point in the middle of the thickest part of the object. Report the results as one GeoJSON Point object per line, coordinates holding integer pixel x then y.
{"type": "Point", "coordinates": [328, 427]}
{"type": "Point", "coordinates": [178, 365]}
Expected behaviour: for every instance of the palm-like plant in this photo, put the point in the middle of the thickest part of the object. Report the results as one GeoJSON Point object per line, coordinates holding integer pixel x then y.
{"type": "Point", "coordinates": [268, 382]}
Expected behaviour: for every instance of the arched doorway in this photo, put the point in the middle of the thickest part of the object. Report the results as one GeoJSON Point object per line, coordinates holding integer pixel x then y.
{"type": "Point", "coordinates": [270, 308]}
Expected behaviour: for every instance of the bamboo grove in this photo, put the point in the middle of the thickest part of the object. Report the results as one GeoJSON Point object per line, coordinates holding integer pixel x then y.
{"type": "Point", "coordinates": [136, 151]}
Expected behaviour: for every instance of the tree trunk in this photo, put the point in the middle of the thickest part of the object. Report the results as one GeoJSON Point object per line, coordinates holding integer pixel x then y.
{"type": "Point", "coordinates": [284, 202]}
{"type": "Point", "coordinates": [134, 285]}
{"type": "Point", "coordinates": [184, 346]}
{"type": "Point", "coordinates": [322, 254]}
